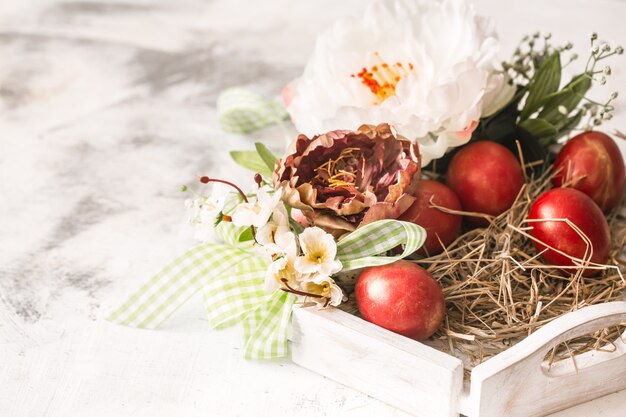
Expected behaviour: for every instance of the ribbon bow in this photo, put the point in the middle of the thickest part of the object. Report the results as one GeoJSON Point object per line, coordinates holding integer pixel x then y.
{"type": "Point", "coordinates": [230, 277]}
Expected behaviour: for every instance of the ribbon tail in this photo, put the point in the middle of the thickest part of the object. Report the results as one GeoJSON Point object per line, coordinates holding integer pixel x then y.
{"type": "Point", "coordinates": [166, 291]}
{"type": "Point", "coordinates": [228, 298]}
{"type": "Point", "coordinates": [266, 328]}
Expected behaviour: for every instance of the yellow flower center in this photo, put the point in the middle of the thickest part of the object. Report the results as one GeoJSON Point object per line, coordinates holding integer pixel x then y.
{"type": "Point", "coordinates": [340, 170]}
{"type": "Point", "coordinates": [322, 289]}
{"type": "Point", "coordinates": [287, 274]}
{"type": "Point", "coordinates": [317, 253]}
{"type": "Point", "coordinates": [383, 78]}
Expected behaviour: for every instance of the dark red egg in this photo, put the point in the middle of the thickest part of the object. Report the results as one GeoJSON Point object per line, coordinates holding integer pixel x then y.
{"type": "Point", "coordinates": [402, 297]}
{"type": "Point", "coordinates": [568, 203]}
{"type": "Point", "coordinates": [592, 163]}
{"type": "Point", "coordinates": [487, 177]}
{"type": "Point", "coordinates": [441, 227]}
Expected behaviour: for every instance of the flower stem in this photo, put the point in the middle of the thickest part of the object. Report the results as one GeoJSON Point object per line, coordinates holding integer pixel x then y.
{"type": "Point", "coordinates": [294, 291]}
{"type": "Point", "coordinates": [206, 180]}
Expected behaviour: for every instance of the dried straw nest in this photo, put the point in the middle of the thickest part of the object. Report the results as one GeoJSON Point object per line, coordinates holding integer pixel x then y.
{"type": "Point", "coordinates": [498, 290]}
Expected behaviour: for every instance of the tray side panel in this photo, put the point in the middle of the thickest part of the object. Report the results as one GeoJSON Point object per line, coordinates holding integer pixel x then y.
{"type": "Point", "coordinates": [514, 383]}
{"type": "Point", "coordinates": [399, 371]}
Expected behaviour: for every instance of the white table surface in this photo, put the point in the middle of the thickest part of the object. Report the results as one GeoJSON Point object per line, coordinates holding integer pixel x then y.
{"type": "Point", "coordinates": [106, 108]}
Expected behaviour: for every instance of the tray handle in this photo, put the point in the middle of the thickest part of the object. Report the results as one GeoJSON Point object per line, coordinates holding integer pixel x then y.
{"type": "Point", "coordinates": [530, 389]}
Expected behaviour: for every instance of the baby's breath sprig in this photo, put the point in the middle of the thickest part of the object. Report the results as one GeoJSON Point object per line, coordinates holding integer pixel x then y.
{"type": "Point", "coordinates": [547, 110]}
{"type": "Point", "coordinates": [530, 54]}
{"type": "Point", "coordinates": [594, 112]}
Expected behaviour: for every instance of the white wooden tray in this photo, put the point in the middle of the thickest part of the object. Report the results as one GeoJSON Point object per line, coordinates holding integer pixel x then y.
{"type": "Point", "coordinates": [426, 382]}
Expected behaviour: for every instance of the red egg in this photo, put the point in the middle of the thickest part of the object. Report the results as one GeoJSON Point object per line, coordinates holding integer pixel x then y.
{"type": "Point", "coordinates": [440, 227]}
{"type": "Point", "coordinates": [402, 297]}
{"type": "Point", "coordinates": [580, 210]}
{"type": "Point", "coordinates": [592, 163]}
{"type": "Point", "coordinates": [487, 177]}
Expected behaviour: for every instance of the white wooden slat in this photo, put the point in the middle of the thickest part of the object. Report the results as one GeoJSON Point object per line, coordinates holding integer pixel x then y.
{"type": "Point", "coordinates": [399, 371]}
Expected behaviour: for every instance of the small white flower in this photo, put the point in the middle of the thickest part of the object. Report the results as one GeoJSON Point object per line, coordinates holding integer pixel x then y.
{"type": "Point", "coordinates": [283, 243]}
{"type": "Point", "coordinates": [279, 220]}
{"type": "Point", "coordinates": [276, 237]}
{"type": "Point", "coordinates": [282, 273]}
{"type": "Point", "coordinates": [319, 251]}
{"type": "Point", "coordinates": [280, 268]}
{"type": "Point", "coordinates": [203, 212]}
{"type": "Point", "coordinates": [258, 213]}
{"type": "Point", "coordinates": [326, 287]}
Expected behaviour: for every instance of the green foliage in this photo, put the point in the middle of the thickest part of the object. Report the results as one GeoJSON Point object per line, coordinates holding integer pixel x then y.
{"type": "Point", "coordinates": [266, 155]}
{"type": "Point", "coordinates": [252, 161]}
{"type": "Point", "coordinates": [545, 82]}
{"type": "Point", "coordinates": [262, 160]}
{"type": "Point", "coordinates": [542, 110]}
{"type": "Point", "coordinates": [540, 129]}
{"type": "Point", "coordinates": [569, 98]}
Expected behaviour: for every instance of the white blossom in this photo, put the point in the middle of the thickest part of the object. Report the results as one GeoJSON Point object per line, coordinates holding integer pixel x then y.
{"type": "Point", "coordinates": [203, 212]}
{"type": "Point", "coordinates": [326, 287]}
{"type": "Point", "coordinates": [319, 250]}
{"type": "Point", "coordinates": [427, 67]}
{"type": "Point", "coordinates": [258, 213]}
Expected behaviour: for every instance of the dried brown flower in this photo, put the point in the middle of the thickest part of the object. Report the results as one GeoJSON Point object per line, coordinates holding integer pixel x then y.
{"type": "Point", "coordinates": [343, 179]}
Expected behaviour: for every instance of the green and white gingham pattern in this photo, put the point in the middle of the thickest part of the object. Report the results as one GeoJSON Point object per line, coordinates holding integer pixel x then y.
{"type": "Point", "coordinates": [267, 328]}
{"type": "Point", "coordinates": [360, 248]}
{"type": "Point", "coordinates": [241, 111]}
{"type": "Point", "coordinates": [166, 291]}
{"type": "Point", "coordinates": [231, 279]}
{"type": "Point", "coordinates": [231, 296]}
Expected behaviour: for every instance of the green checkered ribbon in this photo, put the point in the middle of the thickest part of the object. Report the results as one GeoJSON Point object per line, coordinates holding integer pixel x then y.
{"type": "Point", "coordinates": [241, 111]}
{"type": "Point", "coordinates": [231, 276]}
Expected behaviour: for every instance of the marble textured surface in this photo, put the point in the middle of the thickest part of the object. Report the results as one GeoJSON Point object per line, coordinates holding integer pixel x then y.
{"type": "Point", "coordinates": [106, 108]}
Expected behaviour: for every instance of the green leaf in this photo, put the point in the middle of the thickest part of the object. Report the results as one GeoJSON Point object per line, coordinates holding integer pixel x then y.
{"type": "Point", "coordinates": [569, 97]}
{"type": "Point", "coordinates": [545, 82]}
{"type": "Point", "coordinates": [570, 123]}
{"type": "Point", "coordinates": [266, 155]}
{"type": "Point", "coordinates": [551, 111]}
{"type": "Point", "coordinates": [538, 128]}
{"type": "Point", "coordinates": [297, 227]}
{"type": "Point", "coordinates": [579, 85]}
{"type": "Point", "coordinates": [251, 160]}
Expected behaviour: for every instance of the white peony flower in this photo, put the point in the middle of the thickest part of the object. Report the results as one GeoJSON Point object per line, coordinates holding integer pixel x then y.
{"type": "Point", "coordinates": [203, 212]}
{"type": "Point", "coordinates": [427, 67]}
{"type": "Point", "coordinates": [319, 251]}
{"type": "Point", "coordinates": [326, 287]}
{"type": "Point", "coordinates": [258, 213]}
